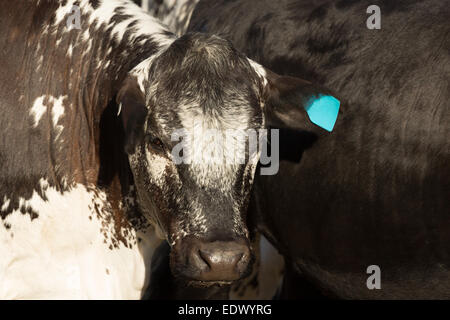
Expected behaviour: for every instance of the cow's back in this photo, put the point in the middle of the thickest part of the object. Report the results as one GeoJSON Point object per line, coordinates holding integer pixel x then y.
{"type": "Point", "coordinates": [375, 190]}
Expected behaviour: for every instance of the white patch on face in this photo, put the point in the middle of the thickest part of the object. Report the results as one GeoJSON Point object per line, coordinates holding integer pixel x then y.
{"type": "Point", "coordinates": [213, 157]}
{"type": "Point", "coordinates": [229, 142]}
{"type": "Point", "coordinates": [62, 254]}
{"type": "Point", "coordinates": [202, 144]}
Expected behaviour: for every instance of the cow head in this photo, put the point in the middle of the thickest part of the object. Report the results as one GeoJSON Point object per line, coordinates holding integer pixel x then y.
{"type": "Point", "coordinates": [200, 83]}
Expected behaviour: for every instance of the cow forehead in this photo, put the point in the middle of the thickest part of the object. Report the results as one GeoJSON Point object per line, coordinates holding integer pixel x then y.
{"type": "Point", "coordinates": [193, 118]}
{"type": "Point", "coordinates": [218, 106]}
{"type": "Point", "coordinates": [200, 66]}
{"type": "Point", "coordinates": [200, 78]}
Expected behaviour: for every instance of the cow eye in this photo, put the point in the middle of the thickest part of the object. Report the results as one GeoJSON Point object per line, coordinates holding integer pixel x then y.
{"type": "Point", "coordinates": [156, 143]}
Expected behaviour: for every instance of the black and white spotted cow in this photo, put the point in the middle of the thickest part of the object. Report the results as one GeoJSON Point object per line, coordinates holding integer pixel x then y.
{"type": "Point", "coordinates": [88, 116]}
{"type": "Point", "coordinates": [264, 281]}
{"type": "Point", "coordinates": [375, 193]}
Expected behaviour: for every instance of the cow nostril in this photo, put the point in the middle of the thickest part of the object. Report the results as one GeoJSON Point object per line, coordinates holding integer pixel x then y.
{"type": "Point", "coordinates": [224, 261]}
{"type": "Point", "coordinates": [198, 261]}
{"type": "Point", "coordinates": [204, 257]}
{"type": "Point", "coordinates": [220, 258]}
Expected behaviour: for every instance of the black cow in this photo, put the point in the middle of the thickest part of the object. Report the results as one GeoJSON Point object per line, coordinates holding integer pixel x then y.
{"type": "Point", "coordinates": [376, 190]}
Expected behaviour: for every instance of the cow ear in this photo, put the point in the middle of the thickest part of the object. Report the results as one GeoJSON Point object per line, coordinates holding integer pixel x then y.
{"type": "Point", "coordinates": [295, 103]}
{"type": "Point", "coordinates": [132, 109]}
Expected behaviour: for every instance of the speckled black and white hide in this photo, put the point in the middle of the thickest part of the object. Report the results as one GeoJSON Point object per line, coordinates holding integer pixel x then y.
{"type": "Point", "coordinates": [87, 120]}
{"type": "Point", "coordinates": [69, 228]}
{"type": "Point", "coordinates": [202, 199]}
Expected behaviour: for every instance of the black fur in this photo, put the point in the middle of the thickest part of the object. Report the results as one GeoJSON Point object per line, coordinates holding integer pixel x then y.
{"type": "Point", "coordinates": [375, 191]}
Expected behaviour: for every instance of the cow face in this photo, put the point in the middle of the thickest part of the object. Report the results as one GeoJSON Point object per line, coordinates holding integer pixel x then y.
{"type": "Point", "coordinates": [187, 123]}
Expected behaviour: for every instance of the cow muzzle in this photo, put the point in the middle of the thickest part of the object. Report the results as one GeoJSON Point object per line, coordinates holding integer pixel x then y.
{"type": "Point", "coordinates": [213, 261]}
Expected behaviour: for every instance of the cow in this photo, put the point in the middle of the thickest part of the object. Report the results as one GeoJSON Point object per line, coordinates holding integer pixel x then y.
{"type": "Point", "coordinates": [268, 266]}
{"type": "Point", "coordinates": [266, 275]}
{"type": "Point", "coordinates": [267, 272]}
{"type": "Point", "coordinates": [95, 98]}
{"type": "Point", "coordinates": [361, 213]}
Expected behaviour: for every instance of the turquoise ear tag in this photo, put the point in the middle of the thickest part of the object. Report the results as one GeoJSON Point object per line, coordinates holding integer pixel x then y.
{"type": "Point", "coordinates": [323, 111]}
